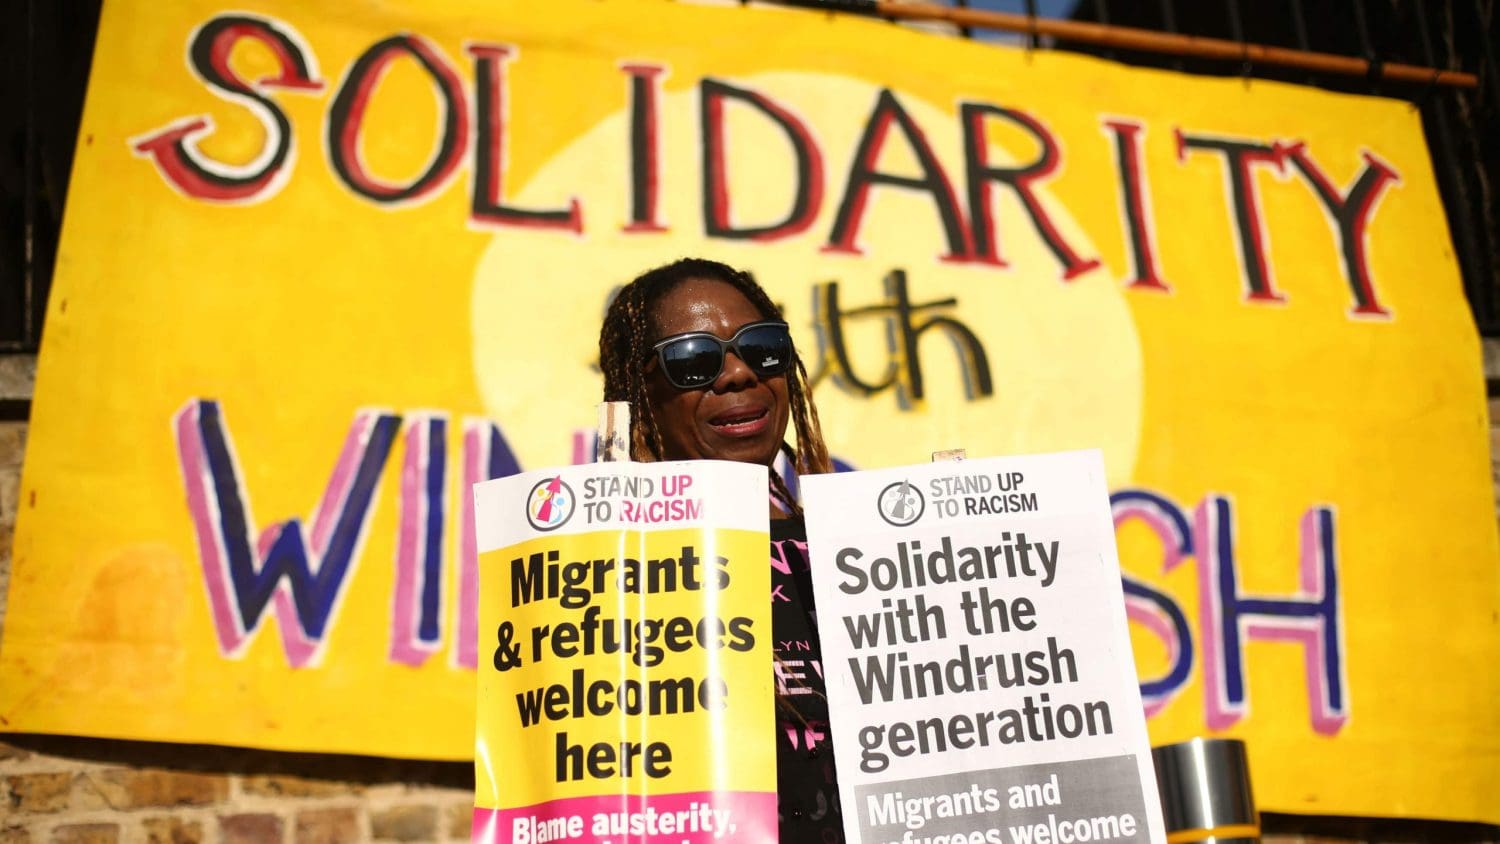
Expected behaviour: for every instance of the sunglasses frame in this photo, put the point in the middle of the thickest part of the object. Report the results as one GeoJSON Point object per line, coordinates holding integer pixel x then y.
{"type": "Point", "coordinates": [725, 347]}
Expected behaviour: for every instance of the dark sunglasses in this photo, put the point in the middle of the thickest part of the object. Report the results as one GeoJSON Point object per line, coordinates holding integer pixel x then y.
{"type": "Point", "coordinates": [693, 360]}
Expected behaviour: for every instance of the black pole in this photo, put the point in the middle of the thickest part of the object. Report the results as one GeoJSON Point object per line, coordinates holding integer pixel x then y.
{"type": "Point", "coordinates": [1445, 163]}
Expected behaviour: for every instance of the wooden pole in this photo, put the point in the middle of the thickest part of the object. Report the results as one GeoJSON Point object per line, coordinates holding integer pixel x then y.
{"type": "Point", "coordinates": [1145, 40]}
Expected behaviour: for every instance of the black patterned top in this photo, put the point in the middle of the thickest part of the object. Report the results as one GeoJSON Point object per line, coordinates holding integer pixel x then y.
{"type": "Point", "coordinates": [806, 785]}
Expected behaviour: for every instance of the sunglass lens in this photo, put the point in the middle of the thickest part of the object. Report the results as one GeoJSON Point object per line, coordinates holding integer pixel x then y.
{"type": "Point", "coordinates": [692, 361]}
{"type": "Point", "coordinates": [767, 349]}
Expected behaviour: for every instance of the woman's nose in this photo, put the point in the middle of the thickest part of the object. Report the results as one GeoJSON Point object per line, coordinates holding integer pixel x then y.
{"type": "Point", "coordinates": [736, 374]}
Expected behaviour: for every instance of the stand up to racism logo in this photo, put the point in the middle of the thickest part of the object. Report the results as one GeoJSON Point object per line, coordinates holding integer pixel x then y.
{"type": "Point", "coordinates": [900, 504]}
{"type": "Point", "coordinates": [550, 504]}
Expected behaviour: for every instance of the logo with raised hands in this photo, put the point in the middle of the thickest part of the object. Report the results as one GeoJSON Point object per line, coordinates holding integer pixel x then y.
{"type": "Point", "coordinates": [900, 504]}
{"type": "Point", "coordinates": [550, 504]}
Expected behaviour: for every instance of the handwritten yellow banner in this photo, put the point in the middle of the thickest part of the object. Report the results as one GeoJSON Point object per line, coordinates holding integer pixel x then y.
{"type": "Point", "coordinates": [321, 272]}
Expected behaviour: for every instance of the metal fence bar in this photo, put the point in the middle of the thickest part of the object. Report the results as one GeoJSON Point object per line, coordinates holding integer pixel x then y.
{"type": "Point", "coordinates": [1237, 32]}
{"type": "Point", "coordinates": [30, 336]}
{"type": "Point", "coordinates": [1168, 15]}
{"type": "Point", "coordinates": [965, 31]}
{"type": "Point", "coordinates": [1362, 29]}
{"type": "Point", "coordinates": [1463, 230]}
{"type": "Point", "coordinates": [1299, 25]}
{"type": "Point", "coordinates": [1490, 91]}
{"type": "Point", "coordinates": [1236, 22]}
{"type": "Point", "coordinates": [18, 276]}
{"type": "Point", "coordinates": [1366, 45]}
{"type": "Point", "coordinates": [1485, 115]}
{"type": "Point", "coordinates": [1101, 11]}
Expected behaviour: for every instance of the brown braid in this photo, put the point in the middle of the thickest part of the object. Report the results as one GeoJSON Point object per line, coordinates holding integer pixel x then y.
{"type": "Point", "coordinates": [783, 494]}
{"type": "Point", "coordinates": [625, 343]}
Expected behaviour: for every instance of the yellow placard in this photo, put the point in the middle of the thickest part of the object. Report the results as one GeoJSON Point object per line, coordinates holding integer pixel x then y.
{"type": "Point", "coordinates": [323, 269]}
{"type": "Point", "coordinates": [651, 687]}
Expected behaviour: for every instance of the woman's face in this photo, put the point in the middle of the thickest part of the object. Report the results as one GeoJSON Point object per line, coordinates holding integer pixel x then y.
{"type": "Point", "coordinates": [740, 416]}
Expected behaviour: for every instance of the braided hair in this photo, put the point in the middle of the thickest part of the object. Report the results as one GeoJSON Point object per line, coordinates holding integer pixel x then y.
{"type": "Point", "coordinates": [625, 342]}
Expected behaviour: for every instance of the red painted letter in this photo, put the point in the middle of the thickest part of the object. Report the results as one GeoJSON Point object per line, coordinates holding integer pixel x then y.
{"type": "Point", "coordinates": [1249, 226]}
{"type": "Point", "coordinates": [863, 175]}
{"type": "Point", "coordinates": [1135, 201]}
{"type": "Point", "coordinates": [808, 192]}
{"type": "Point", "coordinates": [1350, 213]}
{"type": "Point", "coordinates": [174, 149]}
{"type": "Point", "coordinates": [1020, 179]}
{"type": "Point", "coordinates": [490, 159]}
{"type": "Point", "coordinates": [348, 112]}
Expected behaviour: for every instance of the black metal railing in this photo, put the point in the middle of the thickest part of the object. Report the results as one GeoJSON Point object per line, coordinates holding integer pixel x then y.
{"type": "Point", "coordinates": [45, 50]}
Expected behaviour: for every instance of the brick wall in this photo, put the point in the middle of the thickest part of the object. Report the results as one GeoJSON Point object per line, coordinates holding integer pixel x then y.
{"type": "Point", "coordinates": [66, 790]}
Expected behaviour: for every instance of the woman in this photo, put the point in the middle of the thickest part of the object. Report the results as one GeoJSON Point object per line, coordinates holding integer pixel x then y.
{"type": "Point", "coordinates": [705, 360]}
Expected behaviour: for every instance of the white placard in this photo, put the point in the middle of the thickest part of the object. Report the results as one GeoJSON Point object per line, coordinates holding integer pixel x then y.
{"type": "Point", "coordinates": [979, 670]}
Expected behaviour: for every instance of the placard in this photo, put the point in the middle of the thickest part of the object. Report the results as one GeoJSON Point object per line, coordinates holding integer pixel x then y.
{"type": "Point", "coordinates": [976, 653]}
{"type": "Point", "coordinates": [625, 634]}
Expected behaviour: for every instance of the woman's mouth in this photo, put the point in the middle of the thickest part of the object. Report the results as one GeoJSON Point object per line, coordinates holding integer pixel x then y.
{"type": "Point", "coordinates": [741, 422]}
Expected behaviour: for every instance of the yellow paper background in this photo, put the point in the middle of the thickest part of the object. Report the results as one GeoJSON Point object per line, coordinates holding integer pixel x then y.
{"type": "Point", "coordinates": [710, 747]}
